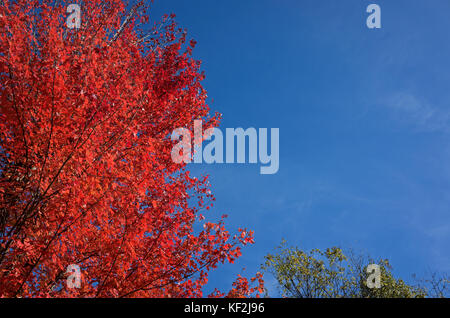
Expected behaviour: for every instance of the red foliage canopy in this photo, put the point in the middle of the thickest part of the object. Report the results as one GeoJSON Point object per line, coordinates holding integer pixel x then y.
{"type": "Point", "coordinates": [86, 175]}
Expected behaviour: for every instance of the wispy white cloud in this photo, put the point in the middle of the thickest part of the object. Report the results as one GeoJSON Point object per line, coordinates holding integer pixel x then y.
{"type": "Point", "coordinates": [419, 113]}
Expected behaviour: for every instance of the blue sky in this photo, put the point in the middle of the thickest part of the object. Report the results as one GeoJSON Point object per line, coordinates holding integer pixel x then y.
{"type": "Point", "coordinates": [364, 118]}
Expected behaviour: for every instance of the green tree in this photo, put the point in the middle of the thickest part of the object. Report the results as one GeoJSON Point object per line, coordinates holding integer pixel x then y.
{"type": "Point", "coordinates": [332, 274]}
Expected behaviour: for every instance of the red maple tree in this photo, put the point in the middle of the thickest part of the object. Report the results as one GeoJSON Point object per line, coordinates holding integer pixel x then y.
{"type": "Point", "coordinates": [86, 175]}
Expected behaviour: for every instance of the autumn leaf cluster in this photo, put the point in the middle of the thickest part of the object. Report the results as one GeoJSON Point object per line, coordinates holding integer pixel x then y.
{"type": "Point", "coordinates": [86, 175]}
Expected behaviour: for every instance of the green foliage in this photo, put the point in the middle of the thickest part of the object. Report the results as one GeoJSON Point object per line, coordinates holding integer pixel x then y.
{"type": "Point", "coordinates": [331, 274]}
